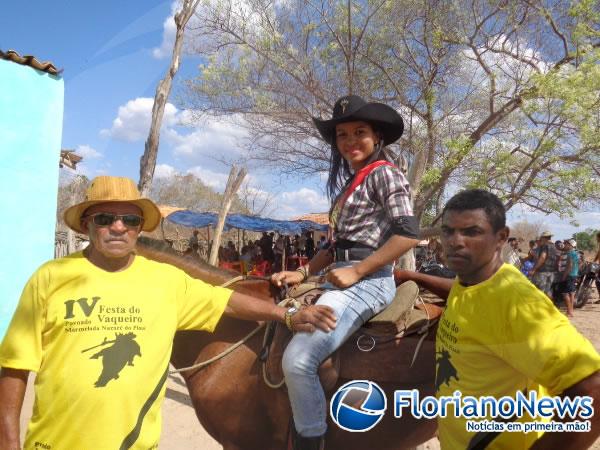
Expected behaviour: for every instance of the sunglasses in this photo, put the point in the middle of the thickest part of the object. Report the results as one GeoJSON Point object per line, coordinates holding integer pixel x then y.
{"type": "Point", "coordinates": [107, 219]}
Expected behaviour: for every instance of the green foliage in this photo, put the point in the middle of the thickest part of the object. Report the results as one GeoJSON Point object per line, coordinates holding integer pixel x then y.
{"type": "Point", "coordinates": [586, 240]}
{"type": "Point", "coordinates": [501, 95]}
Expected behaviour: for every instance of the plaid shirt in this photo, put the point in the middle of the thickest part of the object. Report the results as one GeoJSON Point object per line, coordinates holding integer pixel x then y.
{"type": "Point", "coordinates": [377, 209]}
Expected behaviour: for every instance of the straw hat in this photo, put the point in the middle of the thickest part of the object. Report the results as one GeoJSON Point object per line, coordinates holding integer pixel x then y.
{"type": "Point", "coordinates": [546, 234]}
{"type": "Point", "coordinates": [353, 108]}
{"type": "Point", "coordinates": [105, 189]}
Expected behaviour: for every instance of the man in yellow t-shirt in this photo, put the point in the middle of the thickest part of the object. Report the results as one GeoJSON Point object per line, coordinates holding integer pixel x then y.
{"type": "Point", "coordinates": [499, 334]}
{"type": "Point", "coordinates": [97, 327]}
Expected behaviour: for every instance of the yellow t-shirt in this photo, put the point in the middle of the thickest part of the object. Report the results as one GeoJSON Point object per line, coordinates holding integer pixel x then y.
{"type": "Point", "coordinates": [499, 337]}
{"type": "Point", "coordinates": [101, 343]}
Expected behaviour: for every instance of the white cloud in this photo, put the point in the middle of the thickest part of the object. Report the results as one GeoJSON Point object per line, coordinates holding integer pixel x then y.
{"type": "Point", "coordinates": [303, 201]}
{"type": "Point", "coordinates": [561, 228]}
{"type": "Point", "coordinates": [215, 180]}
{"type": "Point", "coordinates": [219, 137]}
{"type": "Point", "coordinates": [88, 152]}
{"type": "Point", "coordinates": [215, 137]}
{"type": "Point", "coordinates": [164, 171]}
{"type": "Point", "coordinates": [506, 59]}
{"type": "Point", "coordinates": [133, 120]}
{"type": "Point", "coordinates": [82, 169]}
{"type": "Point", "coordinates": [165, 50]}
{"type": "Point", "coordinates": [169, 30]}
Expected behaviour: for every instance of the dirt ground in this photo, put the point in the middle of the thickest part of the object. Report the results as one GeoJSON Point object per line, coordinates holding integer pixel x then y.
{"type": "Point", "coordinates": [182, 431]}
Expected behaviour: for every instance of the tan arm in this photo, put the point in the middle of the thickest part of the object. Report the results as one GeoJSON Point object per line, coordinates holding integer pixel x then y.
{"type": "Point", "coordinates": [245, 307]}
{"type": "Point", "coordinates": [436, 285]}
{"type": "Point", "coordinates": [589, 386]}
{"type": "Point", "coordinates": [13, 383]}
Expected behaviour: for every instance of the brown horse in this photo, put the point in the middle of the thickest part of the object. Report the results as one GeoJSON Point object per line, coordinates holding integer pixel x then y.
{"type": "Point", "coordinates": [237, 408]}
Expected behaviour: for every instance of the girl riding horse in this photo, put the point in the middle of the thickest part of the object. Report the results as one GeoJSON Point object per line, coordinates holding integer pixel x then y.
{"type": "Point", "coordinates": [371, 225]}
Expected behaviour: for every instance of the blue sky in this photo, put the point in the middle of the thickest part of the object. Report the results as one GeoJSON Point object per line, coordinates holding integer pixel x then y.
{"type": "Point", "coordinates": [113, 55]}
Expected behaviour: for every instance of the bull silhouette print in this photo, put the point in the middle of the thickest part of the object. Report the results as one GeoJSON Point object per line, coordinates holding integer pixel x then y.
{"type": "Point", "coordinates": [123, 350]}
{"type": "Point", "coordinates": [445, 370]}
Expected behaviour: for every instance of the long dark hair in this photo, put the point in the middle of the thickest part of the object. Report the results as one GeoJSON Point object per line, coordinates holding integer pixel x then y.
{"type": "Point", "coordinates": [340, 172]}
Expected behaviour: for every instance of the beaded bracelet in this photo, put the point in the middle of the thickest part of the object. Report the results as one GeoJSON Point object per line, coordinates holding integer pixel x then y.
{"type": "Point", "coordinates": [304, 271]}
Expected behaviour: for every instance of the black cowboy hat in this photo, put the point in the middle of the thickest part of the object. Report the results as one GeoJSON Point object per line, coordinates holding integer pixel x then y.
{"type": "Point", "coordinates": [352, 107]}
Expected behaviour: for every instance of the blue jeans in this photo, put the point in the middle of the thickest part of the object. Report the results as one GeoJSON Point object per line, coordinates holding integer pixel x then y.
{"type": "Point", "coordinates": [353, 306]}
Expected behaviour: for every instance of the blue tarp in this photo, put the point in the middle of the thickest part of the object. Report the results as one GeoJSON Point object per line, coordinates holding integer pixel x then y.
{"type": "Point", "coordinates": [252, 223]}
{"type": "Point", "coordinates": [193, 219]}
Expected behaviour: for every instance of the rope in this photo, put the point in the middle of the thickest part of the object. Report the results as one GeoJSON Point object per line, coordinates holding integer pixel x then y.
{"type": "Point", "coordinates": [264, 371]}
{"type": "Point", "coordinates": [285, 302]}
{"type": "Point", "coordinates": [234, 346]}
{"type": "Point", "coordinates": [227, 350]}
{"type": "Point", "coordinates": [234, 280]}
{"type": "Point", "coordinates": [425, 328]}
{"type": "Point", "coordinates": [418, 348]}
{"type": "Point", "coordinates": [222, 354]}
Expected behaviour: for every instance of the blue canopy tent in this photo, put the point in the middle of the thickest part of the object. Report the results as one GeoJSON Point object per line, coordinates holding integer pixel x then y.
{"type": "Point", "coordinates": [244, 222]}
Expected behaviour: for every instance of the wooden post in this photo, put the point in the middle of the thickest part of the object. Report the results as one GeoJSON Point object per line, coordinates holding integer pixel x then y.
{"type": "Point", "coordinates": [71, 244]}
{"type": "Point", "coordinates": [284, 256]}
{"type": "Point", "coordinates": [233, 184]}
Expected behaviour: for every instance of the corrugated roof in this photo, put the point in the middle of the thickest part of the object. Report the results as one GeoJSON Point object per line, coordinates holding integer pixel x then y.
{"type": "Point", "coordinates": [165, 210]}
{"type": "Point", "coordinates": [69, 158]}
{"type": "Point", "coordinates": [320, 218]}
{"type": "Point", "coordinates": [31, 61]}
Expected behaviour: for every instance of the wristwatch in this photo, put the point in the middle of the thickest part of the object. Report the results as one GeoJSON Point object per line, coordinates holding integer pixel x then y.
{"type": "Point", "coordinates": [288, 317]}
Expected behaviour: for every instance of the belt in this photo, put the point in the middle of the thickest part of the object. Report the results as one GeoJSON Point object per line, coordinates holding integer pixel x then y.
{"type": "Point", "coordinates": [352, 254]}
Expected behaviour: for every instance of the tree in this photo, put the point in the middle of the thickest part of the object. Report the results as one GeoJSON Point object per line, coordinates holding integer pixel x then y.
{"type": "Point", "coordinates": [71, 191]}
{"type": "Point", "coordinates": [233, 184]}
{"type": "Point", "coordinates": [256, 201]}
{"type": "Point", "coordinates": [526, 231]}
{"type": "Point", "coordinates": [148, 159]}
{"type": "Point", "coordinates": [496, 94]}
{"type": "Point", "coordinates": [189, 192]}
{"type": "Point", "coordinates": [586, 240]}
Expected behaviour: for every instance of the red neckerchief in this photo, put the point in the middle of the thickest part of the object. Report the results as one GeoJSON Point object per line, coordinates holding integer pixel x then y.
{"type": "Point", "coordinates": [359, 177]}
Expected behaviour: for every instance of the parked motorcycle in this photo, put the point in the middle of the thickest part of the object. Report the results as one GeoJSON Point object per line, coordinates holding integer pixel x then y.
{"type": "Point", "coordinates": [436, 269]}
{"type": "Point", "coordinates": [588, 274]}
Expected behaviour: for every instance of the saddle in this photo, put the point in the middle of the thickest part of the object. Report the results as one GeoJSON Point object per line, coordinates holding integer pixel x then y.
{"type": "Point", "coordinates": [384, 349]}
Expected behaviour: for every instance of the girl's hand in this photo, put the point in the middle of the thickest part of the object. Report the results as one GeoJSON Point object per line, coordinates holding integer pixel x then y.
{"type": "Point", "coordinates": [343, 277]}
{"type": "Point", "coordinates": [288, 277]}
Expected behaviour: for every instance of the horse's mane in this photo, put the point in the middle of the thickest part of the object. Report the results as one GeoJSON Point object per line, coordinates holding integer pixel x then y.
{"type": "Point", "coordinates": [160, 251]}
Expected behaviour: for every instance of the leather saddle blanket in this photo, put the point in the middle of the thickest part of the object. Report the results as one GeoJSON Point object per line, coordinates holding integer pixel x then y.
{"type": "Point", "coordinates": [385, 349]}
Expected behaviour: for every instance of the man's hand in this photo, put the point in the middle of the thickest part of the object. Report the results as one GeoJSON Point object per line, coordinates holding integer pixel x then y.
{"type": "Point", "coordinates": [343, 277]}
{"type": "Point", "coordinates": [245, 307]}
{"type": "Point", "coordinates": [312, 317]}
{"type": "Point", "coordinates": [288, 277]}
